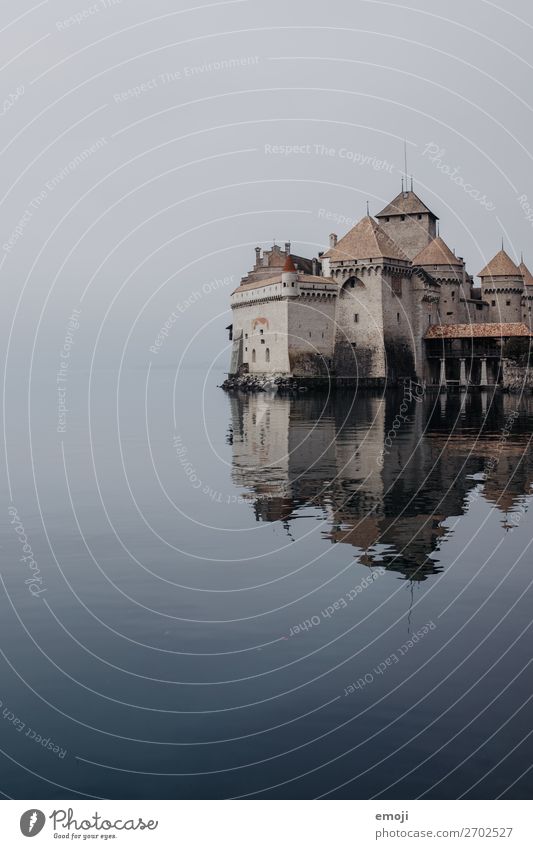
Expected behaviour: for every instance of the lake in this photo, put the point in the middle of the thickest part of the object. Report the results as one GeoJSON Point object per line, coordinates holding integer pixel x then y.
{"type": "Point", "coordinates": [263, 596]}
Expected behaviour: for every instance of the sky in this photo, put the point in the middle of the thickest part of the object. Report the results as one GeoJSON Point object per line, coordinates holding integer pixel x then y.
{"type": "Point", "coordinates": [147, 148]}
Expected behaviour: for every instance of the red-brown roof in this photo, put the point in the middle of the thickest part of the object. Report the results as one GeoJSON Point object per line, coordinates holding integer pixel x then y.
{"type": "Point", "coordinates": [437, 253]}
{"type": "Point", "coordinates": [406, 203]}
{"type": "Point", "coordinates": [271, 281]}
{"type": "Point", "coordinates": [366, 241]}
{"type": "Point", "coordinates": [501, 266]}
{"type": "Point", "coordinates": [289, 265]}
{"type": "Point", "coordinates": [476, 331]}
{"type": "Point", "coordinates": [526, 274]}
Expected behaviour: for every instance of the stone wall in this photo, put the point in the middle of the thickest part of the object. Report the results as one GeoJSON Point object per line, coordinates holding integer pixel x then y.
{"type": "Point", "coordinates": [412, 234]}
{"type": "Point", "coordinates": [516, 378]}
{"type": "Point", "coordinates": [504, 297]}
{"type": "Point", "coordinates": [398, 329]}
{"type": "Point", "coordinates": [311, 333]}
{"type": "Point", "coordinates": [359, 345]}
{"type": "Point", "coordinates": [451, 307]}
{"type": "Point", "coordinates": [264, 328]}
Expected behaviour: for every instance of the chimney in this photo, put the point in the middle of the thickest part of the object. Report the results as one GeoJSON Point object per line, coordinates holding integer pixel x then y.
{"type": "Point", "coordinates": [287, 247]}
{"type": "Point", "coordinates": [257, 257]}
{"type": "Point", "coordinates": [333, 240]}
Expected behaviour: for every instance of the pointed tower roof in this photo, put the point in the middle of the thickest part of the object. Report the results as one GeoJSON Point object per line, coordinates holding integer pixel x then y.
{"type": "Point", "coordinates": [289, 265]}
{"type": "Point", "coordinates": [437, 253]}
{"type": "Point", "coordinates": [364, 241]}
{"type": "Point", "coordinates": [406, 203]}
{"type": "Point", "coordinates": [526, 274]}
{"type": "Point", "coordinates": [500, 266]}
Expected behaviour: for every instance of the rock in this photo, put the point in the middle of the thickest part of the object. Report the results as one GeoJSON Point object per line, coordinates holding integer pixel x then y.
{"type": "Point", "coordinates": [261, 383]}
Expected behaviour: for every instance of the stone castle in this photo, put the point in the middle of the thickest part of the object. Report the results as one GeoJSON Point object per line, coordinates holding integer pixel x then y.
{"type": "Point", "coordinates": [390, 300]}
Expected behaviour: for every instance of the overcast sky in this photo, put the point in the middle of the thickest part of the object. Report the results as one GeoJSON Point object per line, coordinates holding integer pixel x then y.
{"type": "Point", "coordinates": [213, 127]}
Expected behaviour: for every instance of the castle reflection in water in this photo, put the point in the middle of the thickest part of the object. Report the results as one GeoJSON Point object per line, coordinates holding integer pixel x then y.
{"type": "Point", "coordinates": [387, 485]}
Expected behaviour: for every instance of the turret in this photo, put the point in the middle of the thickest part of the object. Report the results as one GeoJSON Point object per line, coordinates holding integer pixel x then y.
{"type": "Point", "coordinates": [448, 270]}
{"type": "Point", "coordinates": [289, 277]}
{"type": "Point", "coordinates": [502, 286]}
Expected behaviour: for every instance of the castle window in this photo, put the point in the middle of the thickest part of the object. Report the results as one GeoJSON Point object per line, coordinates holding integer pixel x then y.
{"type": "Point", "coordinates": [253, 355]}
{"type": "Point", "coordinates": [246, 336]}
{"type": "Point", "coordinates": [398, 317]}
{"type": "Point", "coordinates": [396, 285]}
{"type": "Point", "coordinates": [387, 218]}
{"type": "Point", "coordinates": [260, 332]}
{"type": "Point", "coordinates": [419, 217]}
{"type": "Point", "coordinates": [479, 307]}
{"type": "Point", "coordinates": [267, 355]}
{"type": "Point", "coordinates": [449, 313]}
{"type": "Point", "coordinates": [356, 317]}
{"type": "Point", "coordinates": [453, 295]}
{"type": "Point", "coordinates": [262, 341]}
{"type": "Point", "coordinates": [508, 303]}
{"type": "Point", "coordinates": [309, 334]}
{"type": "Point", "coordinates": [493, 303]}
{"type": "Point", "coordinates": [292, 284]}
{"type": "Point", "coordinates": [246, 349]}
{"type": "Point", "coordinates": [403, 217]}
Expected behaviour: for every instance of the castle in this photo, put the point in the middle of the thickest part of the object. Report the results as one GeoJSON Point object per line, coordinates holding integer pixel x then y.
{"type": "Point", "coordinates": [388, 301]}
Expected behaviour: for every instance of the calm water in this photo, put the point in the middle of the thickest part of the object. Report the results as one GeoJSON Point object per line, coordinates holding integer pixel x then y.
{"type": "Point", "coordinates": [266, 596]}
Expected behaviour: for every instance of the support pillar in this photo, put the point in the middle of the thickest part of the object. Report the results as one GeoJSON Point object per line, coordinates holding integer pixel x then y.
{"type": "Point", "coordinates": [442, 378]}
{"type": "Point", "coordinates": [484, 378]}
{"type": "Point", "coordinates": [462, 373]}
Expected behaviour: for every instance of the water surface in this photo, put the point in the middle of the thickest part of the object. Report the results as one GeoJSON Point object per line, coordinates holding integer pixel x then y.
{"type": "Point", "coordinates": [264, 596]}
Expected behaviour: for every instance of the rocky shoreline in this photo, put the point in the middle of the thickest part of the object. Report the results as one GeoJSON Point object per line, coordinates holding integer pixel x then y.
{"type": "Point", "coordinates": [262, 383]}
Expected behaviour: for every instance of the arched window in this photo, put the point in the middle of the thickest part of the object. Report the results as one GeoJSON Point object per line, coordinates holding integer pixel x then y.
{"type": "Point", "coordinates": [354, 283]}
{"type": "Point", "coordinates": [253, 355]}
{"type": "Point", "coordinates": [267, 355]}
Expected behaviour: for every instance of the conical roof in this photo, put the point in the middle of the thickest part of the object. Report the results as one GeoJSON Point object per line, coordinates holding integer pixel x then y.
{"type": "Point", "coordinates": [501, 266]}
{"type": "Point", "coordinates": [526, 274]}
{"type": "Point", "coordinates": [406, 203]}
{"type": "Point", "coordinates": [436, 253]}
{"type": "Point", "coordinates": [289, 265]}
{"type": "Point", "coordinates": [365, 241]}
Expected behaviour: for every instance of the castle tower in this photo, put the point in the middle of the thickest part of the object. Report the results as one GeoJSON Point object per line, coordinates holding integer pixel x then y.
{"type": "Point", "coordinates": [502, 286]}
{"type": "Point", "coordinates": [289, 276]}
{"type": "Point", "coordinates": [373, 335]}
{"type": "Point", "coordinates": [449, 271]}
{"type": "Point", "coordinates": [409, 223]}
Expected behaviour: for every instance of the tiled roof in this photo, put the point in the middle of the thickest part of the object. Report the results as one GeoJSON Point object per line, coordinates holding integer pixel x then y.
{"type": "Point", "coordinates": [526, 274]}
{"type": "Point", "coordinates": [476, 331]}
{"type": "Point", "coordinates": [271, 281]}
{"type": "Point", "coordinates": [500, 266]}
{"type": "Point", "coordinates": [289, 265]}
{"type": "Point", "coordinates": [406, 203]}
{"type": "Point", "coordinates": [365, 241]}
{"type": "Point", "coordinates": [437, 253]}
